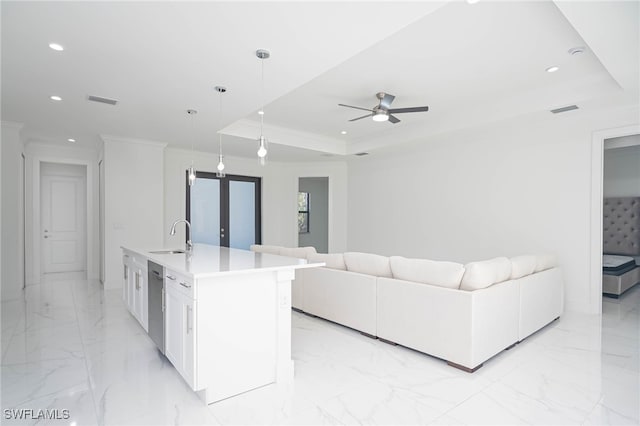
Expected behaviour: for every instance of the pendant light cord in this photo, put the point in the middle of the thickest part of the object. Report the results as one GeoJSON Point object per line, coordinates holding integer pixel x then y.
{"type": "Point", "coordinates": [262, 110]}
{"type": "Point", "coordinates": [220, 121]}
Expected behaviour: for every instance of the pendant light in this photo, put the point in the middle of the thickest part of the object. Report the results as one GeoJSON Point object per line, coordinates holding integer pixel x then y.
{"type": "Point", "coordinates": [262, 54]}
{"type": "Point", "coordinates": [220, 168]}
{"type": "Point", "coordinates": [192, 171]}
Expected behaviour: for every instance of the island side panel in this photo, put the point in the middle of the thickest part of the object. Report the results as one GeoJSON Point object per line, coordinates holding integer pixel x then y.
{"type": "Point", "coordinates": [285, 366]}
{"type": "Point", "coordinates": [237, 334]}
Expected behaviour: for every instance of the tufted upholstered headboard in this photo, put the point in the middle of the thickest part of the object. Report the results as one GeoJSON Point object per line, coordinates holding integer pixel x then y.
{"type": "Point", "coordinates": [621, 226]}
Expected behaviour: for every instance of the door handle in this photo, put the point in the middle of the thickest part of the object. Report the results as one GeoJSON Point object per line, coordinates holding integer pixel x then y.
{"type": "Point", "coordinates": [185, 285]}
{"type": "Point", "coordinates": [156, 273]}
{"type": "Point", "coordinates": [46, 236]}
{"type": "Point", "coordinates": [171, 277]}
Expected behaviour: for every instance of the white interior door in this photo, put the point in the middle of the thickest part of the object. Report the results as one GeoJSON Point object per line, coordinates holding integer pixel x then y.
{"type": "Point", "coordinates": [63, 220]}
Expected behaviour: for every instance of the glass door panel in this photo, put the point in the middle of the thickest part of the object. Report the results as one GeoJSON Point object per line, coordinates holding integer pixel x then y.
{"type": "Point", "coordinates": [242, 214]}
{"type": "Point", "coordinates": [225, 211]}
{"type": "Point", "coordinates": [205, 211]}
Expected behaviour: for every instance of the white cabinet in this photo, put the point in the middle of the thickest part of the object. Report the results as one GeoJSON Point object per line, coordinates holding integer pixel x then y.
{"type": "Point", "coordinates": [180, 325]}
{"type": "Point", "coordinates": [134, 290]}
{"type": "Point", "coordinates": [139, 301]}
{"type": "Point", "coordinates": [127, 262]}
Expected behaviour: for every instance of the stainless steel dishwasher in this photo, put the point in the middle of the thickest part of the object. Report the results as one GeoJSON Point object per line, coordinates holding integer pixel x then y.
{"type": "Point", "coordinates": [156, 303]}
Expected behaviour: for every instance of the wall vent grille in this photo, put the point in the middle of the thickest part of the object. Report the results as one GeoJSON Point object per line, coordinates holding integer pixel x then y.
{"type": "Point", "coordinates": [102, 100]}
{"type": "Point", "coordinates": [564, 109]}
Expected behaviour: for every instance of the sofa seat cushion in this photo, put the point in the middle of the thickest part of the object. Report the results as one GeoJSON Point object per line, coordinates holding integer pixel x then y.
{"type": "Point", "coordinates": [544, 262]}
{"type": "Point", "coordinates": [367, 263]}
{"type": "Point", "coordinates": [299, 252]}
{"type": "Point", "coordinates": [482, 274]}
{"type": "Point", "coordinates": [522, 266]}
{"type": "Point", "coordinates": [331, 260]}
{"type": "Point", "coordinates": [442, 274]}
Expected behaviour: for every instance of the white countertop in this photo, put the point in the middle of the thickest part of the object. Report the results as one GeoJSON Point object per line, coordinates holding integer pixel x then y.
{"type": "Point", "coordinates": [207, 261]}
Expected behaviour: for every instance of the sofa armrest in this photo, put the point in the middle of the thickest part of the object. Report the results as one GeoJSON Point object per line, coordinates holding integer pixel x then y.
{"type": "Point", "coordinates": [348, 298]}
{"type": "Point", "coordinates": [462, 327]}
{"type": "Point", "coordinates": [541, 300]}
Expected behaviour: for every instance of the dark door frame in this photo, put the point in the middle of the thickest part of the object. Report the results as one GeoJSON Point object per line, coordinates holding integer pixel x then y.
{"type": "Point", "coordinates": [224, 203]}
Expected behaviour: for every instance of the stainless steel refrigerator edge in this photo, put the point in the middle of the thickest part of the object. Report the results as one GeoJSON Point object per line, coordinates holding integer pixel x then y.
{"type": "Point", "coordinates": [156, 304]}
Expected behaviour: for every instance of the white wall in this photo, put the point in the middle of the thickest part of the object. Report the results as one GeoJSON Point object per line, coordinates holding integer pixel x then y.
{"type": "Point", "coordinates": [134, 200]}
{"type": "Point", "coordinates": [11, 148]}
{"type": "Point", "coordinates": [318, 189]}
{"type": "Point", "coordinates": [279, 194]}
{"type": "Point", "coordinates": [504, 189]}
{"type": "Point", "coordinates": [36, 153]}
{"type": "Point", "coordinates": [622, 172]}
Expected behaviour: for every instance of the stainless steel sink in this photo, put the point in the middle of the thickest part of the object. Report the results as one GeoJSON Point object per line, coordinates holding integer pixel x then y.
{"type": "Point", "coordinates": [167, 252]}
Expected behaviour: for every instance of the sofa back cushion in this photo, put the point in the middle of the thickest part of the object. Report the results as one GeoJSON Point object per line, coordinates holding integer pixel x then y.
{"type": "Point", "coordinates": [258, 248]}
{"type": "Point", "coordinates": [299, 252]}
{"type": "Point", "coordinates": [331, 260]}
{"type": "Point", "coordinates": [522, 266]}
{"type": "Point", "coordinates": [478, 275]}
{"type": "Point", "coordinates": [442, 274]}
{"type": "Point", "coordinates": [544, 262]}
{"type": "Point", "coordinates": [367, 263]}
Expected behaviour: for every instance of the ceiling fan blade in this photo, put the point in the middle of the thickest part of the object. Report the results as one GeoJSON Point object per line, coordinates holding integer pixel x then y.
{"type": "Point", "coordinates": [393, 119]}
{"type": "Point", "coordinates": [360, 118]}
{"type": "Point", "coordinates": [351, 106]}
{"type": "Point", "coordinates": [414, 109]}
{"type": "Point", "coordinates": [385, 102]}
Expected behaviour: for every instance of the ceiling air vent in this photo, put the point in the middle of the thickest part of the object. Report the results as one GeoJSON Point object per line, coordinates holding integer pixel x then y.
{"type": "Point", "coordinates": [360, 154]}
{"type": "Point", "coordinates": [102, 100]}
{"type": "Point", "coordinates": [564, 109]}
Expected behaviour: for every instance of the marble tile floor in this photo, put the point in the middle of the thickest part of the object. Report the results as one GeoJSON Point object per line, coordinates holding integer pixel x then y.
{"type": "Point", "coordinates": [69, 345]}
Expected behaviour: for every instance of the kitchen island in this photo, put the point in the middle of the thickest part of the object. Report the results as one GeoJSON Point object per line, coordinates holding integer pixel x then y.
{"type": "Point", "coordinates": [226, 314]}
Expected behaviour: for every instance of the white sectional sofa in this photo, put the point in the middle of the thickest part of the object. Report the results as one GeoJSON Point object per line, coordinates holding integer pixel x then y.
{"type": "Point", "coordinates": [464, 314]}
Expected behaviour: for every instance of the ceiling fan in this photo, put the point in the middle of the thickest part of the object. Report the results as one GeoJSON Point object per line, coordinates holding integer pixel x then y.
{"type": "Point", "coordinates": [383, 112]}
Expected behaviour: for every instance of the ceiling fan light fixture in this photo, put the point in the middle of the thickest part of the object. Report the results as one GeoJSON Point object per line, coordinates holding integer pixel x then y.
{"type": "Point", "coordinates": [380, 116]}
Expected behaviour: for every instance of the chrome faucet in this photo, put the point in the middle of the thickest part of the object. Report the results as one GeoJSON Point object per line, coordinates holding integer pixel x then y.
{"type": "Point", "coordinates": [189, 245]}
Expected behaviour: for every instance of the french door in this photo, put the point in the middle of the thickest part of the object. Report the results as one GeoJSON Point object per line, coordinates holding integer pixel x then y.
{"type": "Point", "coordinates": [224, 211]}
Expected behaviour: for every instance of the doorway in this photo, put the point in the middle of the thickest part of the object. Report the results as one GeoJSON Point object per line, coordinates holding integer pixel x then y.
{"type": "Point", "coordinates": [63, 212]}
{"type": "Point", "coordinates": [224, 211]}
{"type": "Point", "coordinates": [621, 191]}
{"type": "Point", "coordinates": [596, 212]}
{"type": "Point", "coordinates": [313, 213]}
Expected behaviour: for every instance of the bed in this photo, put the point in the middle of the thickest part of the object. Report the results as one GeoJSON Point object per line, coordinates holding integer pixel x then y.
{"type": "Point", "coordinates": [621, 245]}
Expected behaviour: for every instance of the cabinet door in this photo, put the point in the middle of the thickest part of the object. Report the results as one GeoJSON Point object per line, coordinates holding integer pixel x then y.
{"type": "Point", "coordinates": [144, 299]}
{"type": "Point", "coordinates": [139, 296]}
{"type": "Point", "coordinates": [189, 344]}
{"type": "Point", "coordinates": [174, 328]}
{"type": "Point", "coordinates": [126, 272]}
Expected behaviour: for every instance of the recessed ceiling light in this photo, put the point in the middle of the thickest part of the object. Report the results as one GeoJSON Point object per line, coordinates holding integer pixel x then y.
{"type": "Point", "coordinates": [71, 140]}
{"type": "Point", "coordinates": [552, 69]}
{"type": "Point", "coordinates": [344, 132]}
{"type": "Point", "coordinates": [472, 1]}
{"type": "Point", "coordinates": [261, 112]}
{"type": "Point", "coordinates": [56, 46]}
{"type": "Point", "coordinates": [55, 98]}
